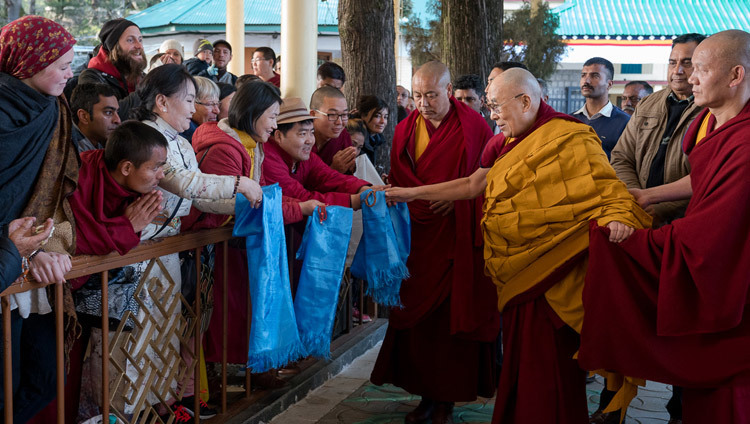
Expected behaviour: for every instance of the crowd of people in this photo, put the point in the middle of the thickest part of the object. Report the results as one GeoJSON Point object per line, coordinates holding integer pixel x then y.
{"type": "Point", "coordinates": [522, 217]}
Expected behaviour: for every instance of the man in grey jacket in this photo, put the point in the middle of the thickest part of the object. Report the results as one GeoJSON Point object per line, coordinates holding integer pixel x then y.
{"type": "Point", "coordinates": [649, 153]}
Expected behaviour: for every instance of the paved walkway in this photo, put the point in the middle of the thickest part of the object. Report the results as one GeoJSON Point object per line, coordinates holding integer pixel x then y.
{"type": "Point", "coordinates": [350, 398]}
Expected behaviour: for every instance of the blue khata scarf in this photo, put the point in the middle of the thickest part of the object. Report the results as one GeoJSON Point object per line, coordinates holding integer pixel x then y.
{"type": "Point", "coordinates": [384, 248]}
{"type": "Point", "coordinates": [323, 249]}
{"type": "Point", "coordinates": [274, 340]}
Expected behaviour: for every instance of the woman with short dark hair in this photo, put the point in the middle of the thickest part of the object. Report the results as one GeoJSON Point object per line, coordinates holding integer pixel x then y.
{"type": "Point", "coordinates": [234, 146]}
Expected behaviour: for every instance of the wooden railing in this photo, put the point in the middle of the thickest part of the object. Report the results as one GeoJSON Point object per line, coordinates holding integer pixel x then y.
{"type": "Point", "coordinates": [88, 265]}
{"type": "Point", "coordinates": [148, 250]}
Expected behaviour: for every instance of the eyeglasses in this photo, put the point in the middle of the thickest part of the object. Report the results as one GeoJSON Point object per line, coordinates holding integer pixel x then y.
{"type": "Point", "coordinates": [257, 59]}
{"type": "Point", "coordinates": [208, 105]}
{"type": "Point", "coordinates": [496, 108]}
{"type": "Point", "coordinates": [333, 117]}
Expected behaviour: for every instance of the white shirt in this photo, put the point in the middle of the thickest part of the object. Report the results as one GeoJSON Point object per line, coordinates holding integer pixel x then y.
{"type": "Point", "coordinates": [605, 111]}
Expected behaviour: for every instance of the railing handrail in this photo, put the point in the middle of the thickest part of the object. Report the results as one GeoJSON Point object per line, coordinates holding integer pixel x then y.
{"type": "Point", "coordinates": [91, 264]}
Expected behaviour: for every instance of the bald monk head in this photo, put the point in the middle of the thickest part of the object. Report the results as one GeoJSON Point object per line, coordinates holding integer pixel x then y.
{"type": "Point", "coordinates": [514, 97]}
{"type": "Point", "coordinates": [326, 103]}
{"type": "Point", "coordinates": [720, 80]}
{"type": "Point", "coordinates": [431, 89]}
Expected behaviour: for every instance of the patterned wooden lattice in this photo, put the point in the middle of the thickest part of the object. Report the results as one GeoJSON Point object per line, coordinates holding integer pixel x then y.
{"type": "Point", "coordinates": [147, 362]}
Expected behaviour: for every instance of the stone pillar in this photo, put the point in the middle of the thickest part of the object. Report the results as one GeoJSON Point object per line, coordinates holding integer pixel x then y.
{"type": "Point", "coordinates": [236, 35]}
{"type": "Point", "coordinates": [299, 47]}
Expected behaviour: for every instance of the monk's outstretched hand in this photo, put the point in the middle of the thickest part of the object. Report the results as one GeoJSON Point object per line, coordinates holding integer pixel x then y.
{"type": "Point", "coordinates": [144, 210]}
{"type": "Point", "coordinates": [400, 194]}
{"type": "Point", "coordinates": [619, 232]}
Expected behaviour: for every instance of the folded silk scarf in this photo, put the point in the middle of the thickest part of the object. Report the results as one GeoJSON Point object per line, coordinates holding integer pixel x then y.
{"type": "Point", "coordinates": [274, 340]}
{"type": "Point", "coordinates": [323, 250]}
{"type": "Point", "coordinates": [384, 248]}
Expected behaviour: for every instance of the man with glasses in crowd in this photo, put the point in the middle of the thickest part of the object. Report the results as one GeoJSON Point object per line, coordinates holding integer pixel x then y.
{"type": "Point", "coordinates": [633, 93]}
{"type": "Point", "coordinates": [264, 59]}
{"type": "Point", "coordinates": [332, 142]}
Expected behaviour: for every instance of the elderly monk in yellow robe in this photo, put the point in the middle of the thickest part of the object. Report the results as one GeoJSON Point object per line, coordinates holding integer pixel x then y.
{"type": "Point", "coordinates": [549, 179]}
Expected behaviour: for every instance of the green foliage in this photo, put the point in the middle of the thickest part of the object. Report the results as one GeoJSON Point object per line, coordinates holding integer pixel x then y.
{"type": "Point", "coordinates": [533, 41]}
{"type": "Point", "coordinates": [424, 42]}
{"type": "Point", "coordinates": [83, 18]}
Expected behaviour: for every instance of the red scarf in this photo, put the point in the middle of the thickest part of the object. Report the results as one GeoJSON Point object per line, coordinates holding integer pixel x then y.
{"type": "Point", "coordinates": [30, 44]}
{"type": "Point", "coordinates": [99, 205]}
{"type": "Point", "coordinates": [446, 258]}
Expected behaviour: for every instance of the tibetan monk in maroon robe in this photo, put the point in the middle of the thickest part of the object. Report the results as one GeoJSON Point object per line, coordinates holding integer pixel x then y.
{"type": "Point", "coordinates": [671, 304]}
{"type": "Point", "coordinates": [116, 196]}
{"type": "Point", "coordinates": [440, 345]}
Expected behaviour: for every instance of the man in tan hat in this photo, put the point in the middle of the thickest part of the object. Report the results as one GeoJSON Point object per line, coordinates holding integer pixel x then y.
{"type": "Point", "coordinates": [289, 161]}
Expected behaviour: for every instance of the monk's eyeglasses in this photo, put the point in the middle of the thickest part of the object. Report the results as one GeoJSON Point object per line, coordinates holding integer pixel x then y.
{"type": "Point", "coordinates": [333, 117]}
{"type": "Point", "coordinates": [496, 108]}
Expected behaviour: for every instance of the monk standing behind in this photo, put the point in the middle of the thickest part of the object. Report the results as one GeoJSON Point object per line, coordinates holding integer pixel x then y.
{"type": "Point", "coordinates": [440, 345]}
{"type": "Point", "coordinates": [548, 179]}
{"type": "Point", "coordinates": [671, 304]}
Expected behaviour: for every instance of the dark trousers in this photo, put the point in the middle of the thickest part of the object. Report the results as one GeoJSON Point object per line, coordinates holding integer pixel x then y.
{"type": "Point", "coordinates": [34, 365]}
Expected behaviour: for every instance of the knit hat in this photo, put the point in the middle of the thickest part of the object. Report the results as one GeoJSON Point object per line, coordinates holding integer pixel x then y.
{"type": "Point", "coordinates": [30, 44]}
{"type": "Point", "coordinates": [293, 109]}
{"type": "Point", "coordinates": [224, 42]}
{"type": "Point", "coordinates": [200, 45]}
{"type": "Point", "coordinates": [112, 30]}
{"type": "Point", "coordinates": [172, 45]}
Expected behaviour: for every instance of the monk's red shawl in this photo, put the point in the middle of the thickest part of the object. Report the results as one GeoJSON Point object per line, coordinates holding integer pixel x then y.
{"type": "Point", "coordinates": [671, 304]}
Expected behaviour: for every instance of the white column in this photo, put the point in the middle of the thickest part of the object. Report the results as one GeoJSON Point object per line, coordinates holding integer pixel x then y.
{"type": "Point", "coordinates": [299, 48]}
{"type": "Point", "coordinates": [236, 35]}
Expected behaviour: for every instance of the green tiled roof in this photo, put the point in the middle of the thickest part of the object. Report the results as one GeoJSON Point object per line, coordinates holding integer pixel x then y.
{"type": "Point", "coordinates": [651, 17]}
{"type": "Point", "coordinates": [210, 15]}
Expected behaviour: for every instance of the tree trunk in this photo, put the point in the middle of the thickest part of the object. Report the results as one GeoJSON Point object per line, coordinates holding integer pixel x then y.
{"type": "Point", "coordinates": [13, 9]}
{"type": "Point", "coordinates": [366, 28]}
{"type": "Point", "coordinates": [472, 35]}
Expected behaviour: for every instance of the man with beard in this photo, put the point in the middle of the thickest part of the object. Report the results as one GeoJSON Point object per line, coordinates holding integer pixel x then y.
{"type": "Point", "coordinates": [119, 63]}
{"type": "Point", "coordinates": [222, 57]}
{"type": "Point", "coordinates": [605, 118]}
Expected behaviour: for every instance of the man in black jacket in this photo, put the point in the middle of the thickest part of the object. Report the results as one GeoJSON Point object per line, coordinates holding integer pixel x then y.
{"type": "Point", "coordinates": [119, 63]}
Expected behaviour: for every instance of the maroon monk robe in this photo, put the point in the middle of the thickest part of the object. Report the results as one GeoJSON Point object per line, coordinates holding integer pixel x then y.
{"type": "Point", "coordinates": [670, 304]}
{"type": "Point", "coordinates": [537, 345]}
{"type": "Point", "coordinates": [333, 146]}
{"type": "Point", "coordinates": [99, 205]}
{"type": "Point", "coordinates": [439, 345]}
